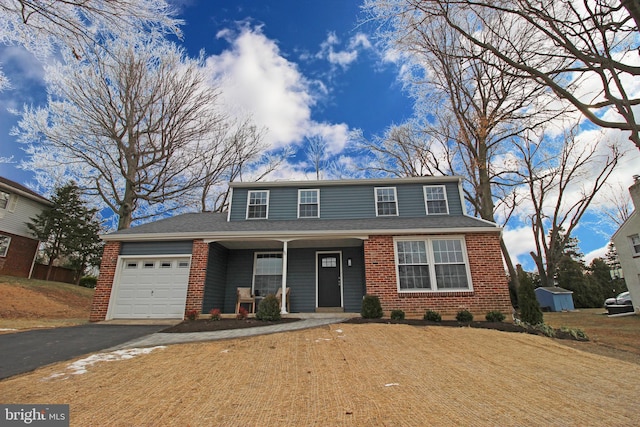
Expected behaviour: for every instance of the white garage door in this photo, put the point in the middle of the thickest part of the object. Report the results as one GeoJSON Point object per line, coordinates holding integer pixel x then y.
{"type": "Point", "coordinates": [151, 288]}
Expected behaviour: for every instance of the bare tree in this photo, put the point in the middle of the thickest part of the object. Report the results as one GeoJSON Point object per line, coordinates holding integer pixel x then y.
{"type": "Point", "coordinates": [139, 127]}
{"type": "Point", "coordinates": [41, 26]}
{"type": "Point", "coordinates": [562, 184]}
{"type": "Point", "coordinates": [615, 206]}
{"type": "Point", "coordinates": [316, 152]}
{"type": "Point", "coordinates": [584, 51]}
{"type": "Point", "coordinates": [469, 116]}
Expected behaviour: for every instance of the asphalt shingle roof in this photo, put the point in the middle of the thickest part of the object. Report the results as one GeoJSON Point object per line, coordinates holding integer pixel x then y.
{"type": "Point", "coordinates": [211, 224]}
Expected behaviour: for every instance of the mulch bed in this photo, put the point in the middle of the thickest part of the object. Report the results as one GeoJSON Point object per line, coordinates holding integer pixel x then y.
{"type": "Point", "coordinates": [205, 325]}
{"type": "Point", "coordinates": [499, 326]}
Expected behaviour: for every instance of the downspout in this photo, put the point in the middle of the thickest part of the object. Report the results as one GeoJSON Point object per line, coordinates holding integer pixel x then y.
{"type": "Point", "coordinates": [33, 262]}
{"type": "Point", "coordinates": [283, 308]}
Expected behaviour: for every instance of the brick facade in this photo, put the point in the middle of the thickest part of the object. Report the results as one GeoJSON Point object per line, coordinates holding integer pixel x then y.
{"type": "Point", "coordinates": [490, 286]}
{"type": "Point", "coordinates": [20, 255]}
{"type": "Point", "coordinates": [197, 275]}
{"type": "Point", "coordinates": [102, 293]}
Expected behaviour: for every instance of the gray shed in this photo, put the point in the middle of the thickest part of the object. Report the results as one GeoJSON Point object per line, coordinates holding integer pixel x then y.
{"type": "Point", "coordinates": [554, 298]}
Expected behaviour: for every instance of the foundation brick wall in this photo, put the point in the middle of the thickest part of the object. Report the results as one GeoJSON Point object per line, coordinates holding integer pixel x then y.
{"type": "Point", "coordinates": [20, 255]}
{"type": "Point", "coordinates": [197, 276]}
{"type": "Point", "coordinates": [490, 286]}
{"type": "Point", "coordinates": [108, 265]}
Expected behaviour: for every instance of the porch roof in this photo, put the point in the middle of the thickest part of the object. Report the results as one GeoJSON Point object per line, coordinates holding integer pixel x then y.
{"type": "Point", "coordinates": [212, 226]}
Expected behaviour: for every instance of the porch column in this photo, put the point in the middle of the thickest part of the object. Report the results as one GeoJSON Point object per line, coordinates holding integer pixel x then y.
{"type": "Point", "coordinates": [283, 308]}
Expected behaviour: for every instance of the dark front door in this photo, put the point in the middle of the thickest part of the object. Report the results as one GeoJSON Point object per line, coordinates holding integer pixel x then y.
{"type": "Point", "coordinates": [329, 280]}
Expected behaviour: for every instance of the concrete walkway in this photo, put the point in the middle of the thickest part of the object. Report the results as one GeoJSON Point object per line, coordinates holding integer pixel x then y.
{"type": "Point", "coordinates": [180, 338]}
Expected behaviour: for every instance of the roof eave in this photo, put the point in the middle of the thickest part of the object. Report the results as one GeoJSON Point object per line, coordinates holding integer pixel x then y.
{"type": "Point", "coordinates": [344, 182]}
{"type": "Point", "coordinates": [279, 235]}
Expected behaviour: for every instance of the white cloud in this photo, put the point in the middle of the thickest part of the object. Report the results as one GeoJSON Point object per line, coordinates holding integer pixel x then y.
{"type": "Point", "coordinates": [596, 253]}
{"type": "Point", "coordinates": [343, 58]}
{"type": "Point", "coordinates": [519, 241]}
{"type": "Point", "coordinates": [258, 81]}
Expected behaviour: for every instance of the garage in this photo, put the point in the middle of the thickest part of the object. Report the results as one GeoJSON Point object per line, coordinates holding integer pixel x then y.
{"type": "Point", "coordinates": [151, 288]}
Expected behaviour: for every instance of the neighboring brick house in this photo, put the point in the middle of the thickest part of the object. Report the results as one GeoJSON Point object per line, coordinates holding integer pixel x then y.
{"type": "Point", "coordinates": [18, 247]}
{"type": "Point", "coordinates": [627, 243]}
{"type": "Point", "coordinates": [408, 241]}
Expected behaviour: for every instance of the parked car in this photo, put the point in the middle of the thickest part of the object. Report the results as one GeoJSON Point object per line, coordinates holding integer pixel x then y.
{"type": "Point", "coordinates": [622, 299]}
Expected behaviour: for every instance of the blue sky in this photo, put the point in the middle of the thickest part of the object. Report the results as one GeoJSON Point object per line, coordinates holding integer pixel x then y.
{"type": "Point", "coordinates": [301, 69]}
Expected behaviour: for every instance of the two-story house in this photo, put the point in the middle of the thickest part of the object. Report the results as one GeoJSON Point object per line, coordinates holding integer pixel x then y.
{"type": "Point", "coordinates": [627, 242]}
{"type": "Point", "coordinates": [18, 247]}
{"type": "Point", "coordinates": [408, 241]}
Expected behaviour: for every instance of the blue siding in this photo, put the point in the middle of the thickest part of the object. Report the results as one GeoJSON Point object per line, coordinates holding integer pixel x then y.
{"type": "Point", "coordinates": [216, 279]}
{"type": "Point", "coordinates": [343, 202]}
{"type": "Point", "coordinates": [239, 274]}
{"type": "Point", "coordinates": [157, 248]}
{"type": "Point", "coordinates": [301, 277]}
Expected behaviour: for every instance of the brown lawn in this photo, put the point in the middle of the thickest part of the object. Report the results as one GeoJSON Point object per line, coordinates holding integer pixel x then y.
{"type": "Point", "coordinates": [27, 303]}
{"type": "Point", "coordinates": [617, 337]}
{"type": "Point", "coordinates": [344, 374]}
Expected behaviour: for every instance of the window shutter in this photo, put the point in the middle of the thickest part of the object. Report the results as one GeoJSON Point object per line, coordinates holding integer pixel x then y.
{"type": "Point", "coordinates": [13, 202]}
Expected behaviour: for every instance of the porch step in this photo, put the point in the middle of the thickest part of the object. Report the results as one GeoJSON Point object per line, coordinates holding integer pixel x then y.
{"type": "Point", "coordinates": [329, 310]}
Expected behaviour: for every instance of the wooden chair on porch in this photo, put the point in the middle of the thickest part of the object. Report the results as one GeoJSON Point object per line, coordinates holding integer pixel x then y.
{"type": "Point", "coordinates": [279, 297]}
{"type": "Point", "coordinates": [244, 297]}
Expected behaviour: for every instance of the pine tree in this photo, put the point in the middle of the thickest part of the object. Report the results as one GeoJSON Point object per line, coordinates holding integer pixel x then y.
{"type": "Point", "coordinates": [527, 303]}
{"type": "Point", "coordinates": [68, 229]}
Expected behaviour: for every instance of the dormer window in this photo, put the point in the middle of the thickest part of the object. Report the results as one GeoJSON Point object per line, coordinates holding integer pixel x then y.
{"type": "Point", "coordinates": [435, 198]}
{"type": "Point", "coordinates": [308, 203]}
{"type": "Point", "coordinates": [258, 204]}
{"type": "Point", "coordinates": [386, 201]}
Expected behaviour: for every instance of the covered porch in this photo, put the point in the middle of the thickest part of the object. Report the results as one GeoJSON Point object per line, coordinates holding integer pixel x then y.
{"type": "Point", "coordinates": [322, 274]}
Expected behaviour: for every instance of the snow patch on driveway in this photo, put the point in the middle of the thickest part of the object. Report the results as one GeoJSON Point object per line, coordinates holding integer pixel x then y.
{"type": "Point", "coordinates": [81, 366]}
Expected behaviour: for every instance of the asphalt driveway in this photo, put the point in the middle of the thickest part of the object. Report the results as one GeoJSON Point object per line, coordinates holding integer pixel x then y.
{"type": "Point", "coordinates": [25, 351]}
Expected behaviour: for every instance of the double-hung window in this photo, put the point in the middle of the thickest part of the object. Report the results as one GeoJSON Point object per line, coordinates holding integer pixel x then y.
{"type": "Point", "coordinates": [635, 244]}
{"type": "Point", "coordinates": [267, 273]}
{"type": "Point", "coordinates": [432, 264]}
{"type": "Point", "coordinates": [386, 201]}
{"type": "Point", "coordinates": [435, 199]}
{"type": "Point", "coordinates": [5, 241]}
{"type": "Point", "coordinates": [4, 199]}
{"type": "Point", "coordinates": [258, 204]}
{"type": "Point", "coordinates": [308, 203]}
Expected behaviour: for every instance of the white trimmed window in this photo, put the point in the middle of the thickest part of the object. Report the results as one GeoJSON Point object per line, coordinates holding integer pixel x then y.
{"type": "Point", "coordinates": [4, 199]}
{"type": "Point", "coordinates": [635, 244]}
{"type": "Point", "coordinates": [308, 203]}
{"type": "Point", "coordinates": [432, 264]}
{"type": "Point", "coordinates": [267, 273]}
{"type": "Point", "coordinates": [258, 204]}
{"type": "Point", "coordinates": [435, 199]}
{"type": "Point", "coordinates": [5, 241]}
{"type": "Point", "coordinates": [386, 201]}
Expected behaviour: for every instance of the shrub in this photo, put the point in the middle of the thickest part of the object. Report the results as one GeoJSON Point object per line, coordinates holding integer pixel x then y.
{"type": "Point", "coordinates": [527, 303]}
{"type": "Point", "coordinates": [397, 315]}
{"type": "Point", "coordinates": [215, 314]}
{"type": "Point", "coordinates": [371, 308]}
{"type": "Point", "coordinates": [545, 329]}
{"type": "Point", "coordinates": [432, 316]}
{"type": "Point", "coordinates": [88, 281]}
{"type": "Point", "coordinates": [192, 314]}
{"type": "Point", "coordinates": [494, 316]}
{"type": "Point", "coordinates": [464, 316]}
{"type": "Point", "coordinates": [242, 313]}
{"type": "Point", "coordinates": [269, 309]}
{"type": "Point", "coordinates": [576, 333]}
